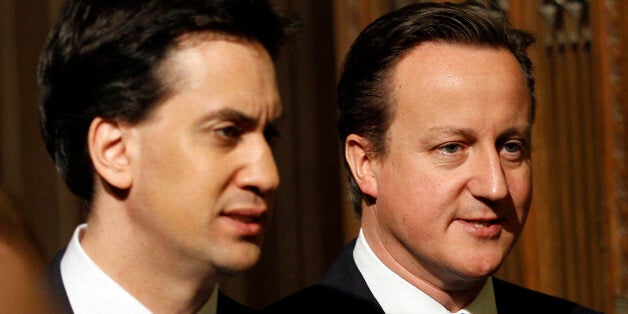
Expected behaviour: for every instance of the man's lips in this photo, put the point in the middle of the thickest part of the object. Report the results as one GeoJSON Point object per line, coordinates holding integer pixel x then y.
{"type": "Point", "coordinates": [249, 221]}
{"type": "Point", "coordinates": [482, 227]}
{"type": "Point", "coordinates": [252, 212]}
{"type": "Point", "coordinates": [482, 223]}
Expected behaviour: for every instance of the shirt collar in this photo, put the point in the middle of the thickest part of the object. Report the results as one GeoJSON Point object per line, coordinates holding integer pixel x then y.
{"type": "Point", "coordinates": [396, 295]}
{"type": "Point", "coordinates": [90, 290]}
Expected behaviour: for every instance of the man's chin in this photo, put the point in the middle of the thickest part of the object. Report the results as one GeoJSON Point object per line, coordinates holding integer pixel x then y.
{"type": "Point", "coordinates": [244, 259]}
{"type": "Point", "coordinates": [480, 273]}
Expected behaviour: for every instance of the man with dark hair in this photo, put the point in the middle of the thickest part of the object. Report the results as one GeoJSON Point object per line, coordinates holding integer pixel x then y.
{"type": "Point", "coordinates": [436, 106]}
{"type": "Point", "coordinates": [159, 114]}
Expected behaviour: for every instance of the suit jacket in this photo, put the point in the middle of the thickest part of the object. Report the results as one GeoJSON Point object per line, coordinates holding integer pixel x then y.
{"type": "Point", "coordinates": [344, 290]}
{"type": "Point", "coordinates": [61, 304]}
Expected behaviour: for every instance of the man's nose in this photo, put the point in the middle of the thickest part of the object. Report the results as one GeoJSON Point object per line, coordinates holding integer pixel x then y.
{"type": "Point", "coordinates": [488, 179]}
{"type": "Point", "coordinates": [261, 172]}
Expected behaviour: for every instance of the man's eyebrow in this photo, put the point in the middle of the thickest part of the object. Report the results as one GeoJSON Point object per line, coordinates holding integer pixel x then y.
{"type": "Point", "coordinates": [525, 132]}
{"type": "Point", "coordinates": [230, 115]}
{"type": "Point", "coordinates": [238, 117]}
{"type": "Point", "coordinates": [451, 130]}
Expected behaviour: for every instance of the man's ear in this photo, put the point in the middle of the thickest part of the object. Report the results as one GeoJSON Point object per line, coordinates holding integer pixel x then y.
{"type": "Point", "coordinates": [108, 152]}
{"type": "Point", "coordinates": [361, 163]}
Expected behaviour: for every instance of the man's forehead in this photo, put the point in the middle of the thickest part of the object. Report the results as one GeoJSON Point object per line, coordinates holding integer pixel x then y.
{"type": "Point", "coordinates": [177, 64]}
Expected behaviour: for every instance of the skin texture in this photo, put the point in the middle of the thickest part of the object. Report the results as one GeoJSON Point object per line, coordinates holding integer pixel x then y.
{"type": "Point", "coordinates": [453, 188]}
{"type": "Point", "coordinates": [185, 194]}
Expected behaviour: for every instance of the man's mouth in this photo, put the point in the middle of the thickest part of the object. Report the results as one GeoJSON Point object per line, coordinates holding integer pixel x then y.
{"type": "Point", "coordinates": [248, 218]}
{"type": "Point", "coordinates": [248, 221]}
{"type": "Point", "coordinates": [482, 224]}
{"type": "Point", "coordinates": [483, 228]}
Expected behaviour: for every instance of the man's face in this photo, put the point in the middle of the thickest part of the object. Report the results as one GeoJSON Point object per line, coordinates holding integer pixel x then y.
{"type": "Point", "coordinates": [203, 171]}
{"type": "Point", "coordinates": [453, 188]}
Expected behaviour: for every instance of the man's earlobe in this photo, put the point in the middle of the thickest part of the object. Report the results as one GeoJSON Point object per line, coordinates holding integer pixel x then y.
{"type": "Point", "coordinates": [108, 152]}
{"type": "Point", "coordinates": [361, 162]}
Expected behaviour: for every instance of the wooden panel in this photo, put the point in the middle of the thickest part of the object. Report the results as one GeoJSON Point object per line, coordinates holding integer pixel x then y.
{"type": "Point", "coordinates": [10, 171]}
{"type": "Point", "coordinates": [306, 231]}
{"type": "Point", "coordinates": [26, 169]}
{"type": "Point", "coordinates": [609, 37]}
{"type": "Point", "coordinates": [565, 225]}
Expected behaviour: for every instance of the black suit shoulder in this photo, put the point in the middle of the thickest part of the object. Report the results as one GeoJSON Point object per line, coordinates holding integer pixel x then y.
{"type": "Point", "coordinates": [344, 290]}
{"type": "Point", "coordinates": [227, 305]}
{"type": "Point", "coordinates": [511, 298]}
{"type": "Point", "coordinates": [341, 290]}
{"type": "Point", "coordinates": [322, 299]}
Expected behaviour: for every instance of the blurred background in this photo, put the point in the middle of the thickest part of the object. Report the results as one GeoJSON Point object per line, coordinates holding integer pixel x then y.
{"type": "Point", "coordinates": [574, 245]}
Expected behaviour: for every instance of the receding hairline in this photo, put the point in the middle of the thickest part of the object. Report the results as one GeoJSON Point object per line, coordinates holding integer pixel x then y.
{"type": "Point", "coordinates": [389, 96]}
{"type": "Point", "coordinates": [169, 73]}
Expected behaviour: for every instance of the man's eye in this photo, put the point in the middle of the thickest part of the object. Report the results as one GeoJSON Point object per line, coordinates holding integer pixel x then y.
{"type": "Point", "coordinates": [515, 150]}
{"type": "Point", "coordinates": [230, 132]}
{"type": "Point", "coordinates": [512, 147]}
{"type": "Point", "coordinates": [450, 148]}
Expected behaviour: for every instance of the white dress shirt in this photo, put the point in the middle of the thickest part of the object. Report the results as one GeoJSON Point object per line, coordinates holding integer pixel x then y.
{"type": "Point", "coordinates": [90, 290]}
{"type": "Point", "coordinates": [396, 295]}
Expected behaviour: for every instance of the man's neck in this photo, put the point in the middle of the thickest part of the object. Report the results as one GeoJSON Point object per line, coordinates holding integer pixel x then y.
{"type": "Point", "coordinates": [146, 270]}
{"type": "Point", "coordinates": [443, 291]}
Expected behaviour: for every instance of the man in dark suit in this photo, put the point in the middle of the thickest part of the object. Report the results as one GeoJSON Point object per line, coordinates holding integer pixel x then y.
{"type": "Point", "coordinates": [436, 106]}
{"type": "Point", "coordinates": [158, 114]}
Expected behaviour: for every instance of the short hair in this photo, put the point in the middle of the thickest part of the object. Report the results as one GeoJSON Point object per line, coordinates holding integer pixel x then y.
{"type": "Point", "coordinates": [364, 100]}
{"type": "Point", "coordinates": [102, 57]}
